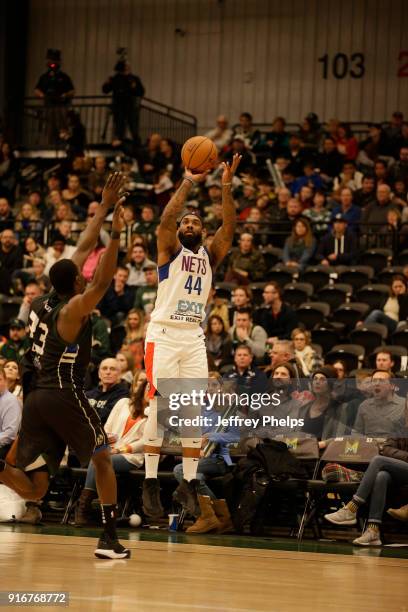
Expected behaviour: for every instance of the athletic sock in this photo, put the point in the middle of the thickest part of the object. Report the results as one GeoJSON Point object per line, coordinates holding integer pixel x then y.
{"type": "Point", "coordinates": [190, 468]}
{"type": "Point", "coordinates": [353, 506]}
{"type": "Point", "coordinates": [151, 465]}
{"type": "Point", "coordinates": [373, 526]}
{"type": "Point", "coordinates": [109, 520]}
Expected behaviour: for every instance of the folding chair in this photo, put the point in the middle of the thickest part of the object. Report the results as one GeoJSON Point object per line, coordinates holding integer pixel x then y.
{"type": "Point", "coordinates": [369, 335]}
{"type": "Point", "coordinates": [376, 258]}
{"type": "Point", "coordinates": [335, 295]}
{"type": "Point", "coordinates": [312, 313]}
{"type": "Point", "coordinates": [349, 451]}
{"type": "Point", "coordinates": [349, 314]}
{"type": "Point", "coordinates": [352, 354]}
{"type": "Point", "coordinates": [297, 293]}
{"type": "Point", "coordinates": [357, 276]}
{"type": "Point", "coordinates": [374, 295]}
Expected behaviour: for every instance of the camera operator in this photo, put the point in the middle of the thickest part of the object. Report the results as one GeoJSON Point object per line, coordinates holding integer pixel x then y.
{"type": "Point", "coordinates": [127, 90]}
{"type": "Point", "coordinates": [54, 86]}
{"type": "Point", "coordinates": [57, 90]}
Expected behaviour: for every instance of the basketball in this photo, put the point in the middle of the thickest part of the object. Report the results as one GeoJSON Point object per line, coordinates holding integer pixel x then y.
{"type": "Point", "coordinates": [199, 154]}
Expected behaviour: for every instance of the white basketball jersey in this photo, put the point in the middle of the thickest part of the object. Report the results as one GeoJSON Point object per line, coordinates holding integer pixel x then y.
{"type": "Point", "coordinates": [184, 285]}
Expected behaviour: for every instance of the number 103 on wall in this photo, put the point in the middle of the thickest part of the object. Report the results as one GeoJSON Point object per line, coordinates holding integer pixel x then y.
{"type": "Point", "coordinates": [341, 65]}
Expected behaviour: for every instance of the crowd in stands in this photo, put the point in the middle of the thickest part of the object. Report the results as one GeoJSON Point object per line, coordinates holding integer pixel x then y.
{"type": "Point", "coordinates": [311, 205]}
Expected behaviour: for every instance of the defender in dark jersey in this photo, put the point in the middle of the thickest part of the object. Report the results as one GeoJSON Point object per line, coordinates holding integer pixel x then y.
{"type": "Point", "coordinates": [56, 411]}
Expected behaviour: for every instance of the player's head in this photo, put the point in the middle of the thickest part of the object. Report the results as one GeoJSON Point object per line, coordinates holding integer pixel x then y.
{"type": "Point", "coordinates": [190, 231]}
{"type": "Point", "coordinates": [66, 278]}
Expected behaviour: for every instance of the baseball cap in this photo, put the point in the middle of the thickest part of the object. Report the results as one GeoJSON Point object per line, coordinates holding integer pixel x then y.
{"type": "Point", "coordinates": [17, 324]}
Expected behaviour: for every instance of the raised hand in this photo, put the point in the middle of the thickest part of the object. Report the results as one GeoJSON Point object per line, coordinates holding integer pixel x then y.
{"type": "Point", "coordinates": [112, 189]}
{"type": "Point", "coordinates": [230, 169]}
{"type": "Point", "coordinates": [118, 221]}
{"type": "Point", "coordinates": [197, 178]}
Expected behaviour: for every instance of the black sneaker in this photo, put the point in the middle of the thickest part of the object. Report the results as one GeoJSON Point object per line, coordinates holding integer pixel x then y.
{"type": "Point", "coordinates": [152, 506]}
{"type": "Point", "coordinates": [186, 495]}
{"type": "Point", "coordinates": [111, 549]}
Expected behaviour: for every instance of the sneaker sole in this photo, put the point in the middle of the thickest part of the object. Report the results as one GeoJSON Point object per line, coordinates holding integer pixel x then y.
{"type": "Point", "coordinates": [373, 543]}
{"type": "Point", "coordinates": [101, 553]}
{"type": "Point", "coordinates": [334, 522]}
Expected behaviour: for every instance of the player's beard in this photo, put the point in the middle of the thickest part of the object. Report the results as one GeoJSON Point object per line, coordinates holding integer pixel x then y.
{"type": "Point", "coordinates": [191, 242]}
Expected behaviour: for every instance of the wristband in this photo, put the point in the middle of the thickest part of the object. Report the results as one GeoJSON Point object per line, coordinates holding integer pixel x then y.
{"type": "Point", "coordinates": [115, 235]}
{"type": "Point", "coordinates": [226, 184]}
{"type": "Point", "coordinates": [190, 180]}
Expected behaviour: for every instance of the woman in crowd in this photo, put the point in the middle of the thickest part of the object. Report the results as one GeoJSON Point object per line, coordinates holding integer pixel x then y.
{"type": "Point", "coordinates": [241, 298]}
{"type": "Point", "coordinates": [218, 342]}
{"type": "Point", "coordinates": [347, 144]}
{"type": "Point", "coordinates": [389, 315]}
{"type": "Point", "coordinates": [213, 514]}
{"type": "Point", "coordinates": [388, 468]}
{"type": "Point", "coordinates": [306, 355]}
{"type": "Point", "coordinates": [321, 415]}
{"type": "Point", "coordinates": [131, 329]}
{"type": "Point", "coordinates": [13, 378]}
{"type": "Point", "coordinates": [126, 363]}
{"type": "Point", "coordinates": [318, 215]}
{"type": "Point", "coordinates": [124, 428]}
{"type": "Point", "coordinates": [92, 261]}
{"type": "Point", "coordinates": [299, 246]}
{"type": "Point", "coordinates": [284, 382]}
{"type": "Point", "coordinates": [8, 170]}
{"type": "Point", "coordinates": [28, 222]}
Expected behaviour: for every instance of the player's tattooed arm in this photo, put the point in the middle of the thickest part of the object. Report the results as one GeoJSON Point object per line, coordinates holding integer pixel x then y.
{"type": "Point", "coordinates": [167, 241]}
{"type": "Point", "coordinates": [89, 237]}
{"type": "Point", "coordinates": [225, 234]}
{"type": "Point", "coordinates": [81, 305]}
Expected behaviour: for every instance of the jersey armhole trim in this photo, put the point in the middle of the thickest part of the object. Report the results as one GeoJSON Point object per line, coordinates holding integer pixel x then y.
{"type": "Point", "coordinates": [165, 268]}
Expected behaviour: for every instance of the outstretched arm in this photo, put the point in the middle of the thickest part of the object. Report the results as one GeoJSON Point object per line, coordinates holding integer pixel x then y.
{"type": "Point", "coordinates": [224, 236]}
{"type": "Point", "coordinates": [167, 241]}
{"type": "Point", "coordinates": [89, 237]}
{"type": "Point", "coordinates": [81, 305]}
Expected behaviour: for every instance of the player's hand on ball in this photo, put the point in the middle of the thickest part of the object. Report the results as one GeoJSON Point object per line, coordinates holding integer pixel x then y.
{"type": "Point", "coordinates": [230, 169]}
{"type": "Point", "coordinates": [112, 189]}
{"type": "Point", "coordinates": [197, 178]}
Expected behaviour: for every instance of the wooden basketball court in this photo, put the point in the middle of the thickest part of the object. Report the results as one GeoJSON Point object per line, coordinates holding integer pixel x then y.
{"type": "Point", "coordinates": [167, 575]}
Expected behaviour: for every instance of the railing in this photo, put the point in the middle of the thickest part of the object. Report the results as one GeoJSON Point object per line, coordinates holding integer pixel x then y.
{"type": "Point", "coordinates": [41, 123]}
{"type": "Point", "coordinates": [369, 235]}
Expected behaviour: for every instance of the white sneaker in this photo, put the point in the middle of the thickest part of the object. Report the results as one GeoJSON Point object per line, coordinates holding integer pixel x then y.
{"type": "Point", "coordinates": [369, 538]}
{"type": "Point", "coordinates": [344, 516]}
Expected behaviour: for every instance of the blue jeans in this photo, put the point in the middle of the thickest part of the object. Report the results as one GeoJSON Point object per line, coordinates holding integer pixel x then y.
{"type": "Point", "coordinates": [381, 472]}
{"type": "Point", "coordinates": [378, 316]}
{"type": "Point", "coordinates": [119, 464]}
{"type": "Point", "coordinates": [207, 466]}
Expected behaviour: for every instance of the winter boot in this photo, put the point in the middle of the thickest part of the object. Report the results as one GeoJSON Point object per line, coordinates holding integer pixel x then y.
{"type": "Point", "coordinates": [83, 507]}
{"type": "Point", "coordinates": [223, 515]}
{"type": "Point", "coordinates": [207, 521]}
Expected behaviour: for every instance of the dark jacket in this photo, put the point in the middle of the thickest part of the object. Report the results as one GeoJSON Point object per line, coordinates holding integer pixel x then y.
{"type": "Point", "coordinates": [13, 260]}
{"type": "Point", "coordinates": [250, 381]}
{"type": "Point", "coordinates": [112, 303]}
{"type": "Point", "coordinates": [346, 249]}
{"type": "Point", "coordinates": [397, 448]}
{"type": "Point", "coordinates": [280, 325]}
{"type": "Point", "coordinates": [104, 401]}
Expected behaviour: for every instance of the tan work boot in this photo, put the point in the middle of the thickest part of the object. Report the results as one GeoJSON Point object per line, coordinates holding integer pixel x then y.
{"type": "Point", "coordinates": [207, 521]}
{"type": "Point", "coordinates": [32, 514]}
{"type": "Point", "coordinates": [223, 515]}
{"type": "Point", "coordinates": [401, 514]}
{"type": "Point", "coordinates": [83, 507]}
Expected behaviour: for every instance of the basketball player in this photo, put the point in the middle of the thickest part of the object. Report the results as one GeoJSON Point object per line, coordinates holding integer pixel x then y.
{"type": "Point", "coordinates": [175, 347]}
{"type": "Point", "coordinates": [56, 411]}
